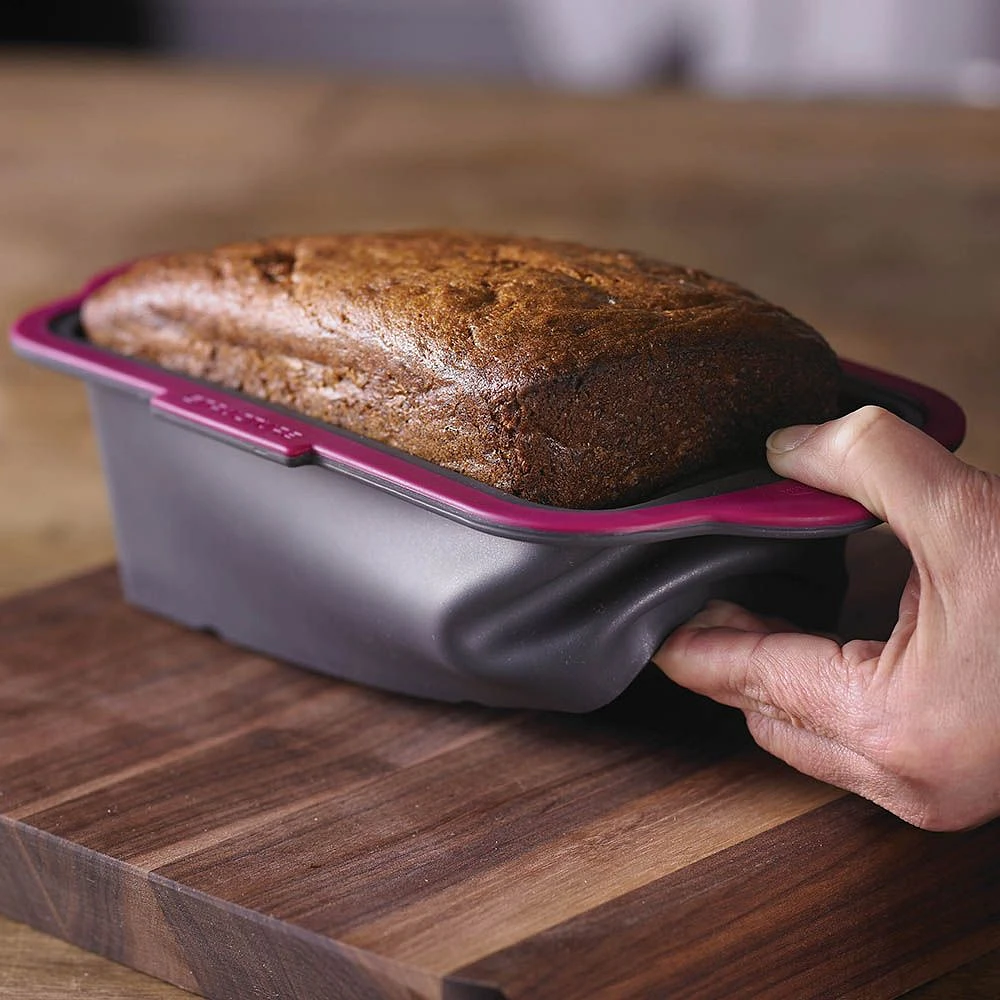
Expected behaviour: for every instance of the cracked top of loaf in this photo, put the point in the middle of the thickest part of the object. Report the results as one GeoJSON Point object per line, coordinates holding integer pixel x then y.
{"type": "Point", "coordinates": [553, 371]}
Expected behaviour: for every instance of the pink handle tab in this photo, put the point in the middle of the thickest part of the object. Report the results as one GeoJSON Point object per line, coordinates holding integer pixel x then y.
{"type": "Point", "coordinates": [254, 425]}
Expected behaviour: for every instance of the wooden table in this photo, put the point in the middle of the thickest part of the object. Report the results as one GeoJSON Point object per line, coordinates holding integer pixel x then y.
{"type": "Point", "coordinates": [881, 225]}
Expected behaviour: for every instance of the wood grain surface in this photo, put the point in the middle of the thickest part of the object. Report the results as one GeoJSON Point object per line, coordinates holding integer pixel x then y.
{"type": "Point", "coordinates": [246, 829]}
{"type": "Point", "coordinates": [879, 224]}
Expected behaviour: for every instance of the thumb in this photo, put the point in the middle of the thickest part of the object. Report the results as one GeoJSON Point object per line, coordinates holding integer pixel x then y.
{"type": "Point", "coordinates": [889, 466]}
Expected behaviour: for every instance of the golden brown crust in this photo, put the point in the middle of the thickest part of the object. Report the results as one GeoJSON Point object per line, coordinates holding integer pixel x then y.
{"type": "Point", "coordinates": [555, 372]}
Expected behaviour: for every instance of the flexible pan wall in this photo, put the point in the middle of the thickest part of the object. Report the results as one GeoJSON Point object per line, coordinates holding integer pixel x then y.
{"type": "Point", "coordinates": [319, 568]}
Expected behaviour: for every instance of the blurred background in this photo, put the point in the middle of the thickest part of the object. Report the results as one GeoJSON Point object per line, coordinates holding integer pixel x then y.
{"type": "Point", "coordinates": [946, 49]}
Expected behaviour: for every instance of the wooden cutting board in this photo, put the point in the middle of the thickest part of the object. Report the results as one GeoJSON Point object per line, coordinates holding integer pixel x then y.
{"type": "Point", "coordinates": [245, 829]}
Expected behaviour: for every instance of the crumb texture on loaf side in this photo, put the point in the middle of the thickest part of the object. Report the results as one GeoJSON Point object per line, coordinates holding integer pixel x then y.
{"type": "Point", "coordinates": [559, 373]}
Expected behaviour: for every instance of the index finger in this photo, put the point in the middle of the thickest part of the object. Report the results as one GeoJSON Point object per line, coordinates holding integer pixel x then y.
{"type": "Point", "coordinates": [807, 680]}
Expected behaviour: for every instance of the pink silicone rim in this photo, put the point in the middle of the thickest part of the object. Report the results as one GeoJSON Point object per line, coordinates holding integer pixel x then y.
{"type": "Point", "coordinates": [772, 508]}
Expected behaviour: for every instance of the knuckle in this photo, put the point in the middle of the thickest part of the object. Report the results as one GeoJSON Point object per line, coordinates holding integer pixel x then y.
{"type": "Point", "coordinates": [863, 419]}
{"type": "Point", "coordinates": [790, 687]}
{"type": "Point", "coordinates": [856, 431]}
{"type": "Point", "coordinates": [756, 675]}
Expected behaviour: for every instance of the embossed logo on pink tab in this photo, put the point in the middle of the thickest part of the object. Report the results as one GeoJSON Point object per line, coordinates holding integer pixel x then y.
{"type": "Point", "coordinates": [242, 419]}
{"type": "Point", "coordinates": [241, 416]}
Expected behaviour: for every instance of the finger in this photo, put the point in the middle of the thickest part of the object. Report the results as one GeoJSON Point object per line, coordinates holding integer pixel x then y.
{"type": "Point", "coordinates": [895, 470]}
{"type": "Point", "coordinates": [818, 727]}
{"type": "Point", "coordinates": [806, 680]}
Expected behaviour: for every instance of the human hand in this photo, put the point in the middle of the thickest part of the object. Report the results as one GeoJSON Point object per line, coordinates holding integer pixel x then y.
{"type": "Point", "coordinates": [913, 723]}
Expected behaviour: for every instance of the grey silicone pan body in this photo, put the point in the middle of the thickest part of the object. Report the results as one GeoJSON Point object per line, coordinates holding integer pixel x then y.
{"type": "Point", "coordinates": [319, 568]}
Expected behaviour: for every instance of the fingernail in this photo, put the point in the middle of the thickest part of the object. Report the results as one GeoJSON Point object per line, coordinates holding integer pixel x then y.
{"type": "Point", "coordinates": [789, 437]}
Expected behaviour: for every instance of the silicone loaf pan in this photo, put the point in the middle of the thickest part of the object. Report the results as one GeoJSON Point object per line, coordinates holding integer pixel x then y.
{"type": "Point", "coordinates": [318, 547]}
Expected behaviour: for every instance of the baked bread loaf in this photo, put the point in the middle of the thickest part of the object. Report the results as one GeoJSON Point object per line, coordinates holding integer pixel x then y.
{"type": "Point", "coordinates": [558, 373]}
